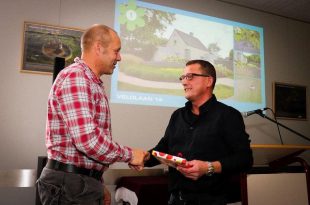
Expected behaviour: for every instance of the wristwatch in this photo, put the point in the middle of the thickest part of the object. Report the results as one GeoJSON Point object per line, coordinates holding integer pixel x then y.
{"type": "Point", "coordinates": [210, 171]}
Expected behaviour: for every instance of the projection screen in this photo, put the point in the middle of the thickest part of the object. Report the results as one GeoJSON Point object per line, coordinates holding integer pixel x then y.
{"type": "Point", "coordinates": [157, 41]}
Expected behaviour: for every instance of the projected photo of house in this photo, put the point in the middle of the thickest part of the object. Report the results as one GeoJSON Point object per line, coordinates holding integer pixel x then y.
{"type": "Point", "coordinates": [157, 42]}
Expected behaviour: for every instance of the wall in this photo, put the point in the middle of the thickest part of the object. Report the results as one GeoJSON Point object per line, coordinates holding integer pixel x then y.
{"type": "Point", "coordinates": [23, 96]}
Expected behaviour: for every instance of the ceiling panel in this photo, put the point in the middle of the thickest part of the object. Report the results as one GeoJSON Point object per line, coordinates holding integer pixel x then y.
{"type": "Point", "coordinates": [293, 9]}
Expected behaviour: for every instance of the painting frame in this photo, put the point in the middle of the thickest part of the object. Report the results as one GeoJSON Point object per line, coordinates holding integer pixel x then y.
{"type": "Point", "coordinates": [43, 42]}
{"type": "Point", "coordinates": [290, 101]}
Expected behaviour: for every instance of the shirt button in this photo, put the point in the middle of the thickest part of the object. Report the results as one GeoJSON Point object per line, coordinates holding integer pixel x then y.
{"type": "Point", "coordinates": [191, 128]}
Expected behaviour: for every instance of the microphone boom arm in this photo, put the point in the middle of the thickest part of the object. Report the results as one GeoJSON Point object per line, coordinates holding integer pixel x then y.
{"type": "Point", "coordinates": [295, 132]}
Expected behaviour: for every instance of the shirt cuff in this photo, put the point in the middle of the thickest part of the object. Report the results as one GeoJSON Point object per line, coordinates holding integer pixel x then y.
{"type": "Point", "coordinates": [127, 154]}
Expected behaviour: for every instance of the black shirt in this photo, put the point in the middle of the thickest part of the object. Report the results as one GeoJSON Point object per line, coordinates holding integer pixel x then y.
{"type": "Point", "coordinates": [216, 134]}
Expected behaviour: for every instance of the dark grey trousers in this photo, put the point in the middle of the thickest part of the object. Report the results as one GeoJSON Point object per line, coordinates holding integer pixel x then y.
{"type": "Point", "coordinates": [61, 188]}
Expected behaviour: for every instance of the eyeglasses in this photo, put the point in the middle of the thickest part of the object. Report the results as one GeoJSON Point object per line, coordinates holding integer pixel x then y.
{"type": "Point", "coordinates": [190, 76]}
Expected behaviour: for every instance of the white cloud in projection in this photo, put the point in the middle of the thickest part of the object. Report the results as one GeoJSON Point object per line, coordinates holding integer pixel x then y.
{"type": "Point", "coordinates": [157, 41]}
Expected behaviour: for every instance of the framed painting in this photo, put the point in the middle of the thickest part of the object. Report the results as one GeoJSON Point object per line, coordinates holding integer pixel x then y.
{"type": "Point", "coordinates": [290, 101]}
{"type": "Point", "coordinates": [42, 43]}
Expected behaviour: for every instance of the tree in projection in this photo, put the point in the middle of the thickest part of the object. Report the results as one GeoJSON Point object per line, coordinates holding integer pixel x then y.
{"type": "Point", "coordinates": [140, 28]}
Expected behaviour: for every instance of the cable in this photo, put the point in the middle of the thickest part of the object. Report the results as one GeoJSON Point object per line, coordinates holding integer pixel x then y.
{"type": "Point", "coordinates": [274, 116]}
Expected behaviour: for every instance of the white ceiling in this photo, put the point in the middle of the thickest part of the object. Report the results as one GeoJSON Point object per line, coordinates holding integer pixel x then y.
{"type": "Point", "coordinates": [293, 9]}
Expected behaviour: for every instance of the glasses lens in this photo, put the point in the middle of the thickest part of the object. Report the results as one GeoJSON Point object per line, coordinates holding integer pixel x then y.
{"type": "Point", "coordinates": [188, 76]}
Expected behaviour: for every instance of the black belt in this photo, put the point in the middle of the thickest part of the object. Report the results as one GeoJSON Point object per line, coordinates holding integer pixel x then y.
{"type": "Point", "coordinates": [70, 168]}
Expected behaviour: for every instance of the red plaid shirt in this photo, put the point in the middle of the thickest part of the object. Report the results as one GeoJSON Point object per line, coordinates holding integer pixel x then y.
{"type": "Point", "coordinates": [78, 128]}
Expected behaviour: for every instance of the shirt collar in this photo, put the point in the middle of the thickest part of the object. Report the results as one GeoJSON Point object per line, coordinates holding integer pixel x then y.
{"type": "Point", "coordinates": [204, 107]}
{"type": "Point", "coordinates": [89, 72]}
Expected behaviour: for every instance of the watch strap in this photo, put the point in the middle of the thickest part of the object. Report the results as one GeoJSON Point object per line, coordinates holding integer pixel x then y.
{"type": "Point", "coordinates": [210, 171]}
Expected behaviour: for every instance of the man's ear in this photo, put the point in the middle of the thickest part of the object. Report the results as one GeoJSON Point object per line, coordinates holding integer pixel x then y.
{"type": "Point", "coordinates": [98, 48]}
{"type": "Point", "coordinates": [210, 81]}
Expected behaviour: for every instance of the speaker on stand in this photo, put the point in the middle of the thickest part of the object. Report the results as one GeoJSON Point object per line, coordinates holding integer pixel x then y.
{"type": "Point", "coordinates": [59, 64]}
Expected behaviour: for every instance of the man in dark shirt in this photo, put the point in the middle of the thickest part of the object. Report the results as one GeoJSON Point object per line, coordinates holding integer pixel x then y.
{"type": "Point", "coordinates": [210, 135]}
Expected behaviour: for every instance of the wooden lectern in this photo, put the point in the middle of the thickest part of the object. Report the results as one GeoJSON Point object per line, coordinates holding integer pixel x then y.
{"type": "Point", "coordinates": [276, 156]}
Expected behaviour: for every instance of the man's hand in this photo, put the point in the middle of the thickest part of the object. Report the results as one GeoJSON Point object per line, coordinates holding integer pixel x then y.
{"type": "Point", "coordinates": [146, 157]}
{"type": "Point", "coordinates": [198, 168]}
{"type": "Point", "coordinates": [106, 196]}
{"type": "Point", "coordinates": [136, 167]}
{"type": "Point", "coordinates": [138, 158]}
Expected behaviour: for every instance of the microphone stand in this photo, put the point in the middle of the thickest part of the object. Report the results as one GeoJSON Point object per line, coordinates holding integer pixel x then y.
{"type": "Point", "coordinates": [295, 132]}
{"type": "Point", "coordinates": [292, 158]}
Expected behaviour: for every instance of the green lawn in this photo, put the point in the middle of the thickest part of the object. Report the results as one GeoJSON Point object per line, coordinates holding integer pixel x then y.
{"type": "Point", "coordinates": [221, 91]}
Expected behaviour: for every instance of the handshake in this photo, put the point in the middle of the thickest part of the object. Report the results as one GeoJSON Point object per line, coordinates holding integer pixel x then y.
{"type": "Point", "coordinates": [139, 157]}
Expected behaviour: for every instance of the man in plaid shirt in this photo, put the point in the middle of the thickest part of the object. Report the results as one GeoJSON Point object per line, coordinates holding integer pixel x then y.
{"type": "Point", "coordinates": [78, 129]}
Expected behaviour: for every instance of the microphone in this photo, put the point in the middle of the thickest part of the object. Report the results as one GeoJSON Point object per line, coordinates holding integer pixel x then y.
{"type": "Point", "coordinates": [247, 114]}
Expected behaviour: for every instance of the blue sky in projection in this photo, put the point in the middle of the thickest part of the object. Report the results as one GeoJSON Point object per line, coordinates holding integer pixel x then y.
{"type": "Point", "coordinates": [157, 41]}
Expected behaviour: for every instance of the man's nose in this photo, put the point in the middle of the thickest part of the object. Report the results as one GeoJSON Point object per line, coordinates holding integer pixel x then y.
{"type": "Point", "coordinates": [119, 58]}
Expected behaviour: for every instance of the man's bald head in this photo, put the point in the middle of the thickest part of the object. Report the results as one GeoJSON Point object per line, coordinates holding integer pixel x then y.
{"type": "Point", "coordinates": [96, 33]}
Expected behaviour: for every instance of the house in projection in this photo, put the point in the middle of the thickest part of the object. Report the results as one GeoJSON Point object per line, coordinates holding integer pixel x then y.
{"type": "Point", "coordinates": [182, 47]}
